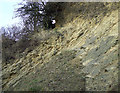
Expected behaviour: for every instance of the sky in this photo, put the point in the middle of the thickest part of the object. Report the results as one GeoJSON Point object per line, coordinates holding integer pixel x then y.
{"type": "Point", "coordinates": [7, 12]}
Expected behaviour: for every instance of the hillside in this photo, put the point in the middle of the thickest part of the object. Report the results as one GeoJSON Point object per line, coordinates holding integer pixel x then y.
{"type": "Point", "coordinates": [81, 53]}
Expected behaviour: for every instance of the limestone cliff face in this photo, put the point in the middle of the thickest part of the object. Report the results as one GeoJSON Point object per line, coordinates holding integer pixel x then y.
{"type": "Point", "coordinates": [80, 55]}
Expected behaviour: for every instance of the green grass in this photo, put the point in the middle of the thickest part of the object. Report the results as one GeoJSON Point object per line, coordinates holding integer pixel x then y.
{"type": "Point", "coordinates": [36, 88]}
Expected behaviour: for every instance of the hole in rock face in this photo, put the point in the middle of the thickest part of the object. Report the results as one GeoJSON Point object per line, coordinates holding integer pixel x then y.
{"type": "Point", "coordinates": [96, 16]}
{"type": "Point", "coordinates": [110, 86]}
{"type": "Point", "coordinates": [106, 70]}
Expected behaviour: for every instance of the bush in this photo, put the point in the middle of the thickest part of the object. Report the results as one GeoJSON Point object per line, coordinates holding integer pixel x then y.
{"type": "Point", "coordinates": [7, 50]}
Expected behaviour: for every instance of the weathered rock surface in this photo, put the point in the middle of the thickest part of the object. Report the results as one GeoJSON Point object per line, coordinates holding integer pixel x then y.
{"type": "Point", "coordinates": [82, 55]}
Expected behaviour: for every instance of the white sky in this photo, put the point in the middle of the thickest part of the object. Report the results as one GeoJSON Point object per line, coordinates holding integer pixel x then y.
{"type": "Point", "coordinates": [7, 12]}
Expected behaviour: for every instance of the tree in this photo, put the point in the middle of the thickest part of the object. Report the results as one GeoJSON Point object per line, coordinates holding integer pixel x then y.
{"type": "Point", "coordinates": [36, 14]}
{"type": "Point", "coordinates": [51, 11]}
{"type": "Point", "coordinates": [14, 42]}
{"type": "Point", "coordinates": [31, 13]}
{"type": "Point", "coordinates": [13, 32]}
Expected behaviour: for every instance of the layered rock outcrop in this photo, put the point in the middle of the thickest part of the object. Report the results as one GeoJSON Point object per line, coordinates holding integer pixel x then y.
{"type": "Point", "coordinates": [81, 55]}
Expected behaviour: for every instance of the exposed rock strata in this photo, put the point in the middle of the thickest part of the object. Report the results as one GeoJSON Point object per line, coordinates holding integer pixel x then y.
{"type": "Point", "coordinates": [80, 51]}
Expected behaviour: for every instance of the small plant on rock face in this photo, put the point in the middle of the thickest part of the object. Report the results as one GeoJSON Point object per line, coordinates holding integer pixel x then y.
{"type": "Point", "coordinates": [55, 29]}
{"type": "Point", "coordinates": [36, 88]}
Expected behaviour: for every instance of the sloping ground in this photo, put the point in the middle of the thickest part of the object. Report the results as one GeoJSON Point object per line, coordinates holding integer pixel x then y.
{"type": "Point", "coordinates": [82, 55]}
